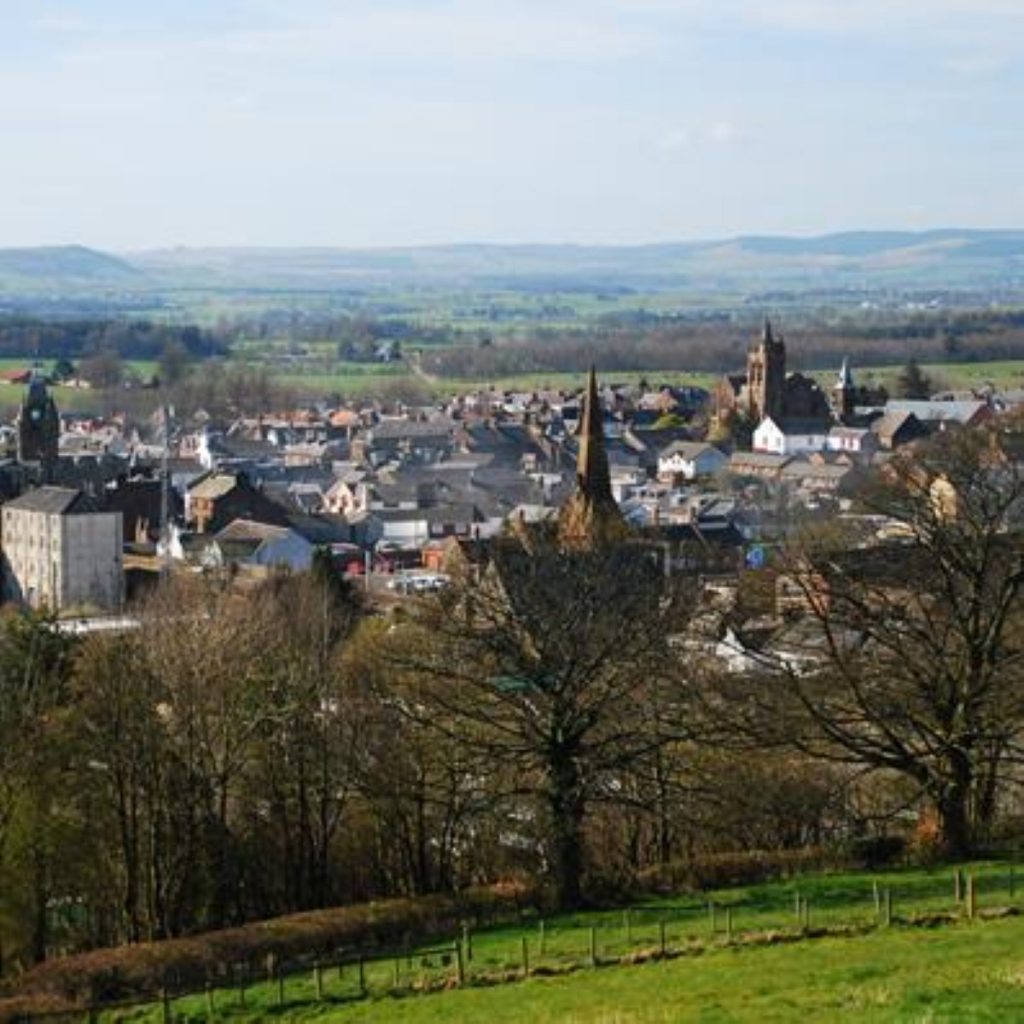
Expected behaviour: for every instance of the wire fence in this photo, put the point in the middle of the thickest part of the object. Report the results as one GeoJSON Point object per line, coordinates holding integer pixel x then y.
{"type": "Point", "coordinates": [548, 947]}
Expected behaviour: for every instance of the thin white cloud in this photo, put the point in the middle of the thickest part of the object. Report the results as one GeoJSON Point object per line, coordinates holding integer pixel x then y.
{"type": "Point", "coordinates": [722, 132]}
{"type": "Point", "coordinates": [59, 23]}
{"type": "Point", "coordinates": [455, 30]}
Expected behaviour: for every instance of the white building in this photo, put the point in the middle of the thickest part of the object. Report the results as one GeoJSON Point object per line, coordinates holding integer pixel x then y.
{"type": "Point", "coordinates": [790, 437]}
{"type": "Point", "coordinates": [688, 460]}
{"type": "Point", "coordinates": [62, 552]}
{"type": "Point", "coordinates": [852, 440]}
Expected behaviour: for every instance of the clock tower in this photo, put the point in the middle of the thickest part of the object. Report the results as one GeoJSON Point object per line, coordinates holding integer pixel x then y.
{"type": "Point", "coordinates": [38, 424]}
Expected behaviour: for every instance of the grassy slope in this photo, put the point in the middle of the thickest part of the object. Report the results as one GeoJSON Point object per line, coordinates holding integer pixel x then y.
{"type": "Point", "coordinates": [958, 974]}
{"type": "Point", "coordinates": [878, 975]}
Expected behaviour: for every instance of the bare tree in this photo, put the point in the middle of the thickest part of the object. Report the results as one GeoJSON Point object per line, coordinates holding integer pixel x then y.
{"type": "Point", "coordinates": [545, 668]}
{"type": "Point", "coordinates": [913, 655]}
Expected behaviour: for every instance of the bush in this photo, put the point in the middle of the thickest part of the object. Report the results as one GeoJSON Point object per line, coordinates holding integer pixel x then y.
{"type": "Point", "coordinates": [139, 972]}
{"type": "Point", "coordinates": [877, 851]}
{"type": "Point", "coordinates": [717, 870]}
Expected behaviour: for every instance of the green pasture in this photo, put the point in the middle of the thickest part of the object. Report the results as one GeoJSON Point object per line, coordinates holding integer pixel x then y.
{"type": "Point", "coordinates": [821, 947]}
{"type": "Point", "coordinates": [317, 373]}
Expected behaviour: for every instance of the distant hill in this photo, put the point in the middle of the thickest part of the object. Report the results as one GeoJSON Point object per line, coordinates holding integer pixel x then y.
{"type": "Point", "coordinates": [62, 269]}
{"type": "Point", "coordinates": [949, 258]}
{"type": "Point", "coordinates": [870, 260]}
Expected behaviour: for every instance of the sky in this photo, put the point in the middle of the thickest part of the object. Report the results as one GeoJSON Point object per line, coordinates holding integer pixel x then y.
{"type": "Point", "coordinates": [132, 124]}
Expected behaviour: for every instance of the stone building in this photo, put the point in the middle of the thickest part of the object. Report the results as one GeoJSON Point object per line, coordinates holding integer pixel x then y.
{"type": "Point", "coordinates": [766, 389]}
{"type": "Point", "coordinates": [62, 551]}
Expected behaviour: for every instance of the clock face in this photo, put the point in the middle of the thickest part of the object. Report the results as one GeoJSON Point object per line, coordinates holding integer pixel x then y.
{"type": "Point", "coordinates": [35, 415]}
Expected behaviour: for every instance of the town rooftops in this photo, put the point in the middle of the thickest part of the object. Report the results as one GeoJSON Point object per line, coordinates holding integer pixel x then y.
{"type": "Point", "coordinates": [55, 501]}
{"type": "Point", "coordinates": [398, 430]}
{"type": "Point", "coordinates": [933, 412]}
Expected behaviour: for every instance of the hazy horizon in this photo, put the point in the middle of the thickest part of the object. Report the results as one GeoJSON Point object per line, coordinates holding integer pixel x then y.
{"type": "Point", "coordinates": [351, 124]}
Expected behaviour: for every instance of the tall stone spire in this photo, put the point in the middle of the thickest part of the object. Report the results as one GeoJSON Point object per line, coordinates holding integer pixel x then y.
{"type": "Point", "coordinates": [591, 517]}
{"type": "Point", "coordinates": [592, 474]}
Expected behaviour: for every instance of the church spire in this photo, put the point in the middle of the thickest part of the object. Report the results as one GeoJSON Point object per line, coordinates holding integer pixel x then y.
{"type": "Point", "coordinates": [844, 393]}
{"type": "Point", "coordinates": [592, 476]}
{"type": "Point", "coordinates": [591, 516]}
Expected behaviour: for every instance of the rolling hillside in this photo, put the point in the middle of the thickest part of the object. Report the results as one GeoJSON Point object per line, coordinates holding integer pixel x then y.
{"type": "Point", "coordinates": [949, 259]}
{"type": "Point", "coordinates": [941, 259]}
{"type": "Point", "coordinates": [64, 269]}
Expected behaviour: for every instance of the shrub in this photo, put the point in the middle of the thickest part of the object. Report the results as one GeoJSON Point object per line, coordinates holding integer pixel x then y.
{"type": "Point", "coordinates": [748, 867]}
{"type": "Point", "coordinates": [877, 851]}
{"type": "Point", "coordinates": [138, 972]}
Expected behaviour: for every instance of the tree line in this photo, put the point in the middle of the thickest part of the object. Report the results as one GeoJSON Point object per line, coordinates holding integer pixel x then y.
{"type": "Point", "coordinates": [719, 347]}
{"type": "Point", "coordinates": [31, 338]}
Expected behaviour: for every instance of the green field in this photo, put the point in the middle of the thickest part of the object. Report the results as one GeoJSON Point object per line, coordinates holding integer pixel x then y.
{"type": "Point", "coordinates": [355, 379]}
{"type": "Point", "coordinates": [753, 961]}
{"type": "Point", "coordinates": [319, 374]}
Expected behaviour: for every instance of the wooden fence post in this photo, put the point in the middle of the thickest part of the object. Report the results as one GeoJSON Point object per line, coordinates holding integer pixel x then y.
{"type": "Point", "coordinates": [362, 975]}
{"type": "Point", "coordinates": [958, 886]}
{"type": "Point", "coordinates": [593, 946]}
{"type": "Point", "coordinates": [728, 924]}
{"type": "Point", "coordinates": [526, 957]}
{"type": "Point", "coordinates": [712, 916]}
{"type": "Point", "coordinates": [629, 928]}
{"type": "Point", "coordinates": [460, 965]}
{"type": "Point", "coordinates": [398, 971]}
{"type": "Point", "coordinates": [209, 999]}
{"type": "Point", "coordinates": [540, 938]}
{"type": "Point", "coordinates": [888, 907]}
{"type": "Point", "coordinates": [798, 906]}
{"type": "Point", "coordinates": [318, 980]}
{"type": "Point", "coordinates": [972, 897]}
{"type": "Point", "coordinates": [467, 942]}
{"type": "Point", "coordinates": [877, 897]}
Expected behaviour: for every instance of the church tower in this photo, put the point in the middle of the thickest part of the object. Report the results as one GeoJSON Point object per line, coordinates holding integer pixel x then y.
{"type": "Point", "coordinates": [591, 517]}
{"type": "Point", "coordinates": [844, 394]}
{"type": "Point", "coordinates": [766, 376]}
{"type": "Point", "coordinates": [38, 425]}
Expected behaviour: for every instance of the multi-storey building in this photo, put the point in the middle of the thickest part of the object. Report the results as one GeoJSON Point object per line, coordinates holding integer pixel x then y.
{"type": "Point", "coordinates": [62, 551]}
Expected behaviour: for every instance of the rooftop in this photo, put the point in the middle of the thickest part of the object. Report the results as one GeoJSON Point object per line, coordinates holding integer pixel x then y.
{"type": "Point", "coordinates": [59, 501]}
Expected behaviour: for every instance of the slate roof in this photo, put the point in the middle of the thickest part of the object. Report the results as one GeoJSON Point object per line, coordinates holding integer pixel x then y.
{"type": "Point", "coordinates": [60, 501]}
{"type": "Point", "coordinates": [811, 425]}
{"type": "Point", "coordinates": [216, 485]}
{"type": "Point", "coordinates": [687, 449]}
{"type": "Point", "coordinates": [925, 411]}
{"type": "Point", "coordinates": [398, 430]}
{"type": "Point", "coordinates": [249, 531]}
{"type": "Point", "coordinates": [757, 460]}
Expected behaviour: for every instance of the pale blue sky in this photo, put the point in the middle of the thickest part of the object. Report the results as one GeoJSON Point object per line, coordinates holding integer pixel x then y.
{"type": "Point", "coordinates": [139, 123]}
